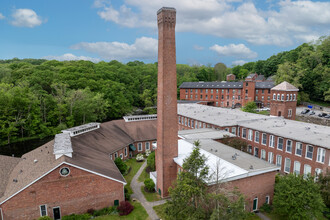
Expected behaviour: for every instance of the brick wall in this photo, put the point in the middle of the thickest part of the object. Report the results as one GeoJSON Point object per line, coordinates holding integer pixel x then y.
{"type": "Point", "coordinates": [75, 193]}
{"type": "Point", "coordinates": [281, 106]}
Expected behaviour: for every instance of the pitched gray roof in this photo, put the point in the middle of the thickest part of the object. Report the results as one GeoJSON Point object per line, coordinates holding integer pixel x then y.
{"type": "Point", "coordinates": [285, 86]}
{"type": "Point", "coordinates": [264, 85]}
{"type": "Point", "coordinates": [7, 164]}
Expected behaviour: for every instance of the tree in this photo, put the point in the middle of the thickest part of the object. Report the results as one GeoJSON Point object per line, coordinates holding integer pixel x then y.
{"type": "Point", "coordinates": [121, 165]}
{"type": "Point", "coordinates": [324, 182]}
{"type": "Point", "coordinates": [250, 107]}
{"type": "Point", "coordinates": [189, 196]}
{"type": "Point", "coordinates": [151, 161]}
{"type": "Point", "coordinates": [220, 71]}
{"type": "Point", "coordinates": [297, 197]}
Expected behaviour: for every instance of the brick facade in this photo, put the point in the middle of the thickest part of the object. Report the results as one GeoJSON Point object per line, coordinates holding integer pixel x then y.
{"type": "Point", "coordinates": [283, 103]}
{"type": "Point", "coordinates": [75, 193]}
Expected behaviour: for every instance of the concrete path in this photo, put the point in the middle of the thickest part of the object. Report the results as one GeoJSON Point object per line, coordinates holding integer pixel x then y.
{"type": "Point", "coordinates": [262, 216]}
{"type": "Point", "coordinates": [138, 195]}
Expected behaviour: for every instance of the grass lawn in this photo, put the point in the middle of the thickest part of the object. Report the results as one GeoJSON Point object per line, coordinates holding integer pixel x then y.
{"type": "Point", "coordinates": [135, 166]}
{"type": "Point", "coordinates": [144, 175]}
{"type": "Point", "coordinates": [159, 209]}
{"type": "Point", "coordinates": [263, 113]}
{"type": "Point", "coordinates": [139, 213]}
{"type": "Point", "coordinates": [150, 197]}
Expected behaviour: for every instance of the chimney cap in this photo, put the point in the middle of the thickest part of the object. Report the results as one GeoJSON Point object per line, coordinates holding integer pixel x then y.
{"type": "Point", "coordinates": [166, 9]}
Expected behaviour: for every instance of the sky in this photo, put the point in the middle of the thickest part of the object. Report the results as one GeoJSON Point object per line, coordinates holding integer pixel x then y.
{"type": "Point", "coordinates": [207, 31]}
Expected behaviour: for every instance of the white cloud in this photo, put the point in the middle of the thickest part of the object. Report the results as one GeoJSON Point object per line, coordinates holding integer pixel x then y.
{"type": "Point", "coordinates": [234, 50]}
{"type": "Point", "coordinates": [26, 18]}
{"type": "Point", "coordinates": [70, 56]}
{"type": "Point", "coordinates": [282, 25]}
{"type": "Point", "coordinates": [2, 16]}
{"type": "Point", "coordinates": [197, 47]}
{"type": "Point", "coordinates": [238, 62]}
{"type": "Point", "coordinates": [142, 48]}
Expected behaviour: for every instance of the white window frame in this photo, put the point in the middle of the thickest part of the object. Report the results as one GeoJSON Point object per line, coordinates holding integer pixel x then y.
{"type": "Point", "coordinates": [256, 198]}
{"type": "Point", "coordinates": [271, 141]}
{"type": "Point", "coordinates": [140, 145]}
{"type": "Point", "coordinates": [278, 143]}
{"type": "Point", "coordinates": [278, 97]}
{"type": "Point", "coordinates": [282, 97]}
{"type": "Point", "coordinates": [263, 154]}
{"type": "Point", "coordinates": [196, 124]}
{"type": "Point", "coordinates": [185, 121]}
{"type": "Point", "coordinates": [264, 140]}
{"type": "Point", "coordinates": [290, 97]}
{"type": "Point", "coordinates": [233, 130]}
{"type": "Point", "coordinates": [295, 170]}
{"type": "Point", "coordinates": [318, 171]}
{"type": "Point", "coordinates": [289, 112]}
{"type": "Point", "coordinates": [125, 151]}
{"type": "Point", "coordinates": [286, 163]}
{"type": "Point", "coordinates": [249, 149]}
{"type": "Point", "coordinates": [305, 169]}
{"type": "Point", "coordinates": [294, 97]}
{"type": "Point", "coordinates": [274, 96]}
{"type": "Point", "coordinates": [192, 123]}
{"type": "Point", "coordinates": [200, 124]}
{"type": "Point", "coordinates": [243, 129]}
{"type": "Point", "coordinates": [286, 146]}
{"type": "Point", "coordinates": [301, 149]}
{"type": "Point", "coordinates": [111, 156]}
{"type": "Point", "coordinates": [147, 144]}
{"type": "Point", "coordinates": [257, 135]}
{"type": "Point", "coordinates": [39, 210]}
{"type": "Point", "coordinates": [270, 157]}
{"type": "Point", "coordinates": [307, 146]}
{"type": "Point", "coordinates": [250, 135]}
{"type": "Point", "coordinates": [121, 156]}
{"type": "Point", "coordinates": [267, 199]}
{"type": "Point", "coordinates": [116, 155]}
{"type": "Point", "coordinates": [256, 149]}
{"type": "Point", "coordinates": [320, 155]}
{"type": "Point", "coordinates": [277, 161]}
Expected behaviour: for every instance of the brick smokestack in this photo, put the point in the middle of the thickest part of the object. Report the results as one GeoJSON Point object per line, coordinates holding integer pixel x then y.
{"type": "Point", "coordinates": [167, 128]}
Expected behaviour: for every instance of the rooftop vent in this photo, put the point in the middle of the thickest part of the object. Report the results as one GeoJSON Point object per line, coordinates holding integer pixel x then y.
{"type": "Point", "coordinates": [62, 145]}
{"type": "Point", "coordinates": [233, 157]}
{"type": "Point", "coordinates": [140, 118]}
{"type": "Point", "coordinates": [251, 167]}
{"type": "Point", "coordinates": [35, 161]}
{"type": "Point", "coordinates": [82, 129]}
{"type": "Point", "coordinates": [15, 180]}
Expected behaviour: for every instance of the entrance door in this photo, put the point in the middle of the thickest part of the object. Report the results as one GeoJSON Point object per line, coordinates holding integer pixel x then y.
{"type": "Point", "coordinates": [57, 213]}
{"type": "Point", "coordinates": [255, 204]}
{"type": "Point", "coordinates": [279, 113]}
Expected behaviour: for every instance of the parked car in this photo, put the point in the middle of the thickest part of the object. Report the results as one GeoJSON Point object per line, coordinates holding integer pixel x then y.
{"type": "Point", "coordinates": [322, 114]}
{"type": "Point", "coordinates": [311, 113]}
{"type": "Point", "coordinates": [305, 111]}
{"type": "Point", "coordinates": [327, 116]}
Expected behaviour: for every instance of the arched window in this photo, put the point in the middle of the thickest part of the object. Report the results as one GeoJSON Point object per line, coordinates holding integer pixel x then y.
{"type": "Point", "coordinates": [282, 97]}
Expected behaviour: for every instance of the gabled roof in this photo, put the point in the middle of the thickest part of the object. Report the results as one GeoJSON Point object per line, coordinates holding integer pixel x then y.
{"type": "Point", "coordinates": [285, 86]}
{"type": "Point", "coordinates": [264, 85]}
{"type": "Point", "coordinates": [261, 77]}
{"type": "Point", "coordinates": [7, 164]}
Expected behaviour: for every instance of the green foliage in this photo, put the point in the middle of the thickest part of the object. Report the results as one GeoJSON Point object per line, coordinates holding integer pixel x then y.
{"type": "Point", "coordinates": [250, 107]}
{"type": "Point", "coordinates": [151, 161]}
{"type": "Point", "coordinates": [220, 72]}
{"type": "Point", "coordinates": [122, 166]}
{"type": "Point", "coordinates": [297, 198]}
{"type": "Point", "coordinates": [149, 184]}
{"type": "Point", "coordinates": [45, 218]}
{"type": "Point", "coordinates": [266, 208]}
{"type": "Point", "coordinates": [106, 211]}
{"type": "Point", "coordinates": [324, 182]}
{"type": "Point", "coordinates": [77, 217]}
{"type": "Point", "coordinates": [234, 142]}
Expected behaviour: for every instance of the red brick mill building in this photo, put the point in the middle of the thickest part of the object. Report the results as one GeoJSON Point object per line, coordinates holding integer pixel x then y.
{"type": "Point", "coordinates": [74, 172]}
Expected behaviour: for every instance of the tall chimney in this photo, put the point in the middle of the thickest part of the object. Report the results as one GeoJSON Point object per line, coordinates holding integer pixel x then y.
{"type": "Point", "coordinates": [167, 128]}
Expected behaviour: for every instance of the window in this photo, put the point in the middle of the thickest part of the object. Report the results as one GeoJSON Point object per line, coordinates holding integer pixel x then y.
{"type": "Point", "coordinates": [287, 165]}
{"type": "Point", "coordinates": [206, 90]}
{"type": "Point", "coordinates": [116, 155]}
{"type": "Point", "coordinates": [196, 90]}
{"type": "Point", "coordinates": [263, 91]}
{"type": "Point", "coordinates": [196, 96]}
{"type": "Point", "coordinates": [43, 210]}
{"type": "Point", "coordinates": [190, 90]}
{"type": "Point", "coordinates": [294, 97]}
{"type": "Point", "coordinates": [279, 160]}
{"type": "Point", "coordinates": [227, 129]}
{"type": "Point", "coordinates": [289, 146]}
{"type": "Point", "coordinates": [196, 124]}
{"type": "Point", "coordinates": [147, 145]}
{"type": "Point", "coordinates": [256, 98]}
{"type": "Point", "coordinates": [263, 154]}
{"type": "Point", "coordinates": [206, 97]}
{"type": "Point", "coordinates": [121, 156]}
{"type": "Point", "coordinates": [211, 90]}
{"type": "Point", "coordinates": [246, 91]}
{"type": "Point", "coordinates": [111, 156]}
{"type": "Point", "coordinates": [125, 151]}
{"type": "Point", "coordinates": [200, 124]}
{"type": "Point", "coordinates": [186, 96]}
{"type": "Point", "coordinates": [211, 96]}
{"type": "Point", "coordinates": [250, 134]}
{"type": "Point", "coordinates": [256, 137]}
{"type": "Point", "coordinates": [216, 97]}
{"type": "Point", "coordinates": [289, 112]}
{"type": "Point", "coordinates": [274, 96]}
{"type": "Point", "coordinates": [264, 139]}
{"type": "Point", "coordinates": [139, 146]}
{"type": "Point", "coordinates": [191, 96]}
{"type": "Point", "coordinates": [262, 98]}
{"type": "Point", "coordinates": [249, 149]}
{"type": "Point", "coordinates": [204, 126]}
{"type": "Point", "coordinates": [227, 96]}
{"type": "Point", "coordinates": [247, 84]}
{"type": "Point", "coordinates": [243, 132]}
{"type": "Point", "coordinates": [217, 91]}
{"type": "Point", "coordinates": [257, 91]}
{"type": "Point", "coordinates": [256, 152]}
{"type": "Point", "coordinates": [309, 152]}
{"type": "Point", "coordinates": [318, 171]}
{"type": "Point", "coordinates": [153, 144]}
{"type": "Point", "coordinates": [282, 98]}
{"type": "Point", "coordinates": [320, 155]}
{"type": "Point", "coordinates": [185, 121]}
{"type": "Point", "coordinates": [287, 97]}
{"type": "Point", "coordinates": [268, 97]}
{"type": "Point", "coordinates": [217, 103]}
{"type": "Point", "coordinates": [186, 90]}
{"type": "Point", "coordinates": [307, 170]}
{"type": "Point", "coordinates": [290, 97]}
{"type": "Point", "coordinates": [201, 96]}
{"type": "Point", "coordinates": [179, 119]}
{"type": "Point", "coordinates": [296, 167]}
{"type": "Point", "coordinates": [271, 141]}
{"type": "Point", "coordinates": [188, 122]}
{"type": "Point", "coordinates": [270, 157]}
{"type": "Point", "coordinates": [278, 96]}
{"type": "Point", "coordinates": [280, 143]}
{"type": "Point", "coordinates": [192, 123]}
{"type": "Point", "coordinates": [233, 130]}
{"type": "Point", "coordinates": [267, 197]}
{"type": "Point", "coordinates": [239, 97]}
{"type": "Point", "coordinates": [222, 91]}
{"type": "Point", "coordinates": [298, 148]}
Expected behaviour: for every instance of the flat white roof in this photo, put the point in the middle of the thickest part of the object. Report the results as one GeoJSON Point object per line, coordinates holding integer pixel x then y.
{"type": "Point", "coordinates": [204, 133]}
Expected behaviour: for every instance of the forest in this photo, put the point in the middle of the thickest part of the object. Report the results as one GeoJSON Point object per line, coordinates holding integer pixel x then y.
{"type": "Point", "coordinates": [39, 98]}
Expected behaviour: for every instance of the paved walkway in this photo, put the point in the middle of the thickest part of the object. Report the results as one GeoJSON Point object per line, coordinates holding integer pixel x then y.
{"type": "Point", "coordinates": [262, 216]}
{"type": "Point", "coordinates": [138, 195]}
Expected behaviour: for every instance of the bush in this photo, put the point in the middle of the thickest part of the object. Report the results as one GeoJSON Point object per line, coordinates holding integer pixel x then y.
{"type": "Point", "coordinates": [45, 218]}
{"type": "Point", "coordinates": [266, 208]}
{"type": "Point", "coordinates": [151, 161]}
{"type": "Point", "coordinates": [105, 211]}
{"type": "Point", "coordinates": [121, 165]}
{"type": "Point", "coordinates": [77, 217]}
{"type": "Point", "coordinates": [125, 208]}
{"type": "Point", "coordinates": [149, 184]}
{"type": "Point", "coordinates": [127, 195]}
{"type": "Point", "coordinates": [139, 157]}
{"type": "Point", "coordinates": [250, 107]}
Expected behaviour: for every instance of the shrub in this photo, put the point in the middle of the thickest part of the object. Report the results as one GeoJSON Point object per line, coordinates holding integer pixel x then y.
{"type": "Point", "coordinates": [250, 107]}
{"type": "Point", "coordinates": [127, 195]}
{"type": "Point", "coordinates": [77, 217]}
{"type": "Point", "coordinates": [45, 218]}
{"type": "Point", "coordinates": [148, 152]}
{"type": "Point", "coordinates": [151, 161]}
{"type": "Point", "coordinates": [139, 157]}
{"type": "Point", "coordinates": [121, 165]}
{"type": "Point", "coordinates": [266, 208]}
{"type": "Point", "coordinates": [149, 184]}
{"type": "Point", "coordinates": [125, 208]}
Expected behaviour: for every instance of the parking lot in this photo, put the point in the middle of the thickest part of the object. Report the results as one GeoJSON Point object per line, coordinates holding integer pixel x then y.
{"type": "Point", "coordinates": [317, 112]}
